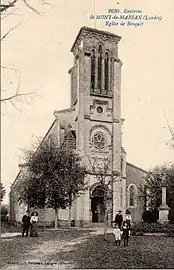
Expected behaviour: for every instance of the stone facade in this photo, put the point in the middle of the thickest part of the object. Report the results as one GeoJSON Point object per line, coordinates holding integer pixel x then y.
{"type": "Point", "coordinates": [93, 126]}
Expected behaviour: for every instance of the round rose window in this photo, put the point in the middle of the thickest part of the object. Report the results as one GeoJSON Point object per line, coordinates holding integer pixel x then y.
{"type": "Point", "coordinates": [99, 141]}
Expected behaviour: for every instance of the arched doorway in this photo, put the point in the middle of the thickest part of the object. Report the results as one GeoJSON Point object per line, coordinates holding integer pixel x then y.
{"type": "Point", "coordinates": [97, 204]}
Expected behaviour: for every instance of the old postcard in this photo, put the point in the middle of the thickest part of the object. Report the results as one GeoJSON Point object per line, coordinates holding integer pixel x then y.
{"type": "Point", "coordinates": [87, 120]}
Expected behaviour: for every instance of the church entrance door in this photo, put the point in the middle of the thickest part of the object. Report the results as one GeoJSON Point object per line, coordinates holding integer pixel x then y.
{"type": "Point", "coordinates": [97, 205]}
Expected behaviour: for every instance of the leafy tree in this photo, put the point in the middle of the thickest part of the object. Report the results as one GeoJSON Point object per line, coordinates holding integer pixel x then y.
{"type": "Point", "coordinates": [2, 192]}
{"type": "Point", "coordinates": [4, 212]}
{"type": "Point", "coordinates": [54, 176]}
{"type": "Point", "coordinates": [149, 216]}
{"type": "Point", "coordinates": [154, 182]}
{"type": "Point", "coordinates": [31, 191]}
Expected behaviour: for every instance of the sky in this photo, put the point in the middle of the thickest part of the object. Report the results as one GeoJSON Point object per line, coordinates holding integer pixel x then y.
{"type": "Point", "coordinates": [39, 51]}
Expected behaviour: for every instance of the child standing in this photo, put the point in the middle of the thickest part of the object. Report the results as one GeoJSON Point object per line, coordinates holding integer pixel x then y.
{"type": "Point", "coordinates": [117, 233]}
{"type": "Point", "coordinates": [126, 233]}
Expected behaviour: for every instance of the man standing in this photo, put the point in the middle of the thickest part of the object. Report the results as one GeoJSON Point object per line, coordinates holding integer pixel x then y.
{"type": "Point", "coordinates": [26, 223]}
{"type": "Point", "coordinates": [119, 219]}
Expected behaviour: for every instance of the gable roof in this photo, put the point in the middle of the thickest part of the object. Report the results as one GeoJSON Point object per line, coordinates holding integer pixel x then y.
{"type": "Point", "coordinates": [136, 167]}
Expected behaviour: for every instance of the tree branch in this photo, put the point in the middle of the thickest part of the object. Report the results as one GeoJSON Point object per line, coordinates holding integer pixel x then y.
{"type": "Point", "coordinates": [169, 127]}
{"type": "Point", "coordinates": [6, 34]}
{"type": "Point", "coordinates": [30, 7]}
{"type": "Point", "coordinates": [18, 95]}
{"type": "Point", "coordinates": [4, 7]}
{"type": "Point", "coordinates": [9, 68]}
{"type": "Point", "coordinates": [11, 4]}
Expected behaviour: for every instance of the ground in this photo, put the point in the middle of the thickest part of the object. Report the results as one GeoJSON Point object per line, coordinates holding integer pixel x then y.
{"type": "Point", "coordinates": [81, 249]}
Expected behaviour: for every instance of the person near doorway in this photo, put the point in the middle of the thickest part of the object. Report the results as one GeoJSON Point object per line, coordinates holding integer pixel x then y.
{"type": "Point", "coordinates": [117, 234]}
{"type": "Point", "coordinates": [34, 221]}
{"type": "Point", "coordinates": [119, 219]}
{"type": "Point", "coordinates": [26, 223]}
{"type": "Point", "coordinates": [99, 212]}
{"type": "Point", "coordinates": [126, 233]}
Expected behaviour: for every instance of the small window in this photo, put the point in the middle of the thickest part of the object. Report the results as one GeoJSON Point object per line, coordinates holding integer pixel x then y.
{"type": "Point", "coordinates": [99, 109]}
{"type": "Point", "coordinates": [132, 196]}
{"type": "Point", "coordinates": [106, 71]}
{"type": "Point", "coordinates": [93, 70]}
{"type": "Point", "coordinates": [100, 67]}
{"type": "Point", "coordinates": [121, 196]}
{"type": "Point", "coordinates": [122, 164]}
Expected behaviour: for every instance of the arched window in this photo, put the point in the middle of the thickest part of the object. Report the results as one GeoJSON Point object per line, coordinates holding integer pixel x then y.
{"type": "Point", "coordinates": [122, 164]}
{"type": "Point", "coordinates": [98, 192]}
{"type": "Point", "coordinates": [99, 67]}
{"type": "Point", "coordinates": [93, 69]}
{"type": "Point", "coordinates": [131, 196]}
{"type": "Point", "coordinates": [121, 195]}
{"type": "Point", "coordinates": [106, 71]}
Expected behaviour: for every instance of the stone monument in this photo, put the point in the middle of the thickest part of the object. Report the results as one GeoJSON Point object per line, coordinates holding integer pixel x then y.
{"type": "Point", "coordinates": [163, 209]}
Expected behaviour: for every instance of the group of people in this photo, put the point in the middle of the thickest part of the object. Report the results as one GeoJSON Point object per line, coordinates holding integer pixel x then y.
{"type": "Point", "coordinates": [122, 227]}
{"type": "Point", "coordinates": [30, 222]}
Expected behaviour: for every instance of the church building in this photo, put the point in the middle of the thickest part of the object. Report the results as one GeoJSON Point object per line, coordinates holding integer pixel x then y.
{"type": "Point", "coordinates": [92, 126]}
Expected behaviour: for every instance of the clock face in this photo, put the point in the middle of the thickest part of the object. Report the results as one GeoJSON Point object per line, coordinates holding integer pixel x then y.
{"type": "Point", "coordinates": [99, 140]}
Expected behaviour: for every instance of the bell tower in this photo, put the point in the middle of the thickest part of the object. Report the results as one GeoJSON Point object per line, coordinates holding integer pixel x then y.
{"type": "Point", "coordinates": [96, 97]}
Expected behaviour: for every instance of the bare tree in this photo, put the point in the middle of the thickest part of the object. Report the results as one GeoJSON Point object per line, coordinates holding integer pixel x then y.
{"type": "Point", "coordinates": [18, 96]}
{"type": "Point", "coordinates": [6, 7]}
{"type": "Point", "coordinates": [171, 131]}
{"type": "Point", "coordinates": [172, 136]}
{"type": "Point", "coordinates": [102, 169]}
